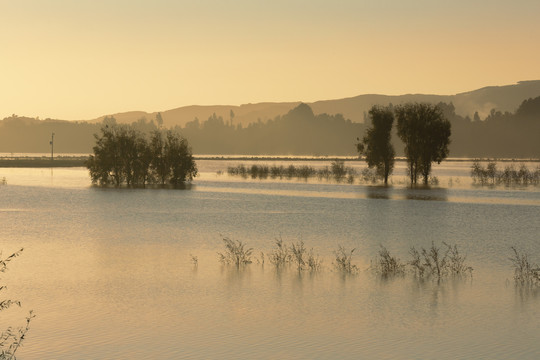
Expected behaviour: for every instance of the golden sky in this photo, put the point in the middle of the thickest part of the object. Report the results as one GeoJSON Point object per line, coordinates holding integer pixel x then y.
{"type": "Point", "coordinates": [81, 59]}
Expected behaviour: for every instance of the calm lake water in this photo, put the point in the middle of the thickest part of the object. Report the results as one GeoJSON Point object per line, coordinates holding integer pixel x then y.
{"type": "Point", "coordinates": [109, 275]}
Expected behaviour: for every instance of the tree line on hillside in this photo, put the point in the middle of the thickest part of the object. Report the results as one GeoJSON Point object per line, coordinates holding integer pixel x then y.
{"type": "Point", "coordinates": [299, 132]}
{"type": "Point", "coordinates": [124, 155]}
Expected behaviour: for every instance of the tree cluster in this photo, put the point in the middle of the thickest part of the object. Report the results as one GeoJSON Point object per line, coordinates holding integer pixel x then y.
{"type": "Point", "coordinates": [124, 155]}
{"type": "Point", "coordinates": [299, 132]}
{"type": "Point", "coordinates": [422, 128]}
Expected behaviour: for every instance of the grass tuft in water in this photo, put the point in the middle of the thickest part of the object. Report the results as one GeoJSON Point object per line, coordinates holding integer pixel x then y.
{"type": "Point", "coordinates": [314, 263]}
{"type": "Point", "coordinates": [525, 273]}
{"type": "Point", "coordinates": [298, 251]}
{"type": "Point", "coordinates": [343, 262]}
{"type": "Point", "coordinates": [387, 265]}
{"type": "Point", "coordinates": [236, 253]}
{"type": "Point", "coordinates": [456, 261]}
{"type": "Point", "coordinates": [297, 254]}
{"type": "Point", "coordinates": [280, 256]}
{"type": "Point", "coordinates": [337, 171]}
{"type": "Point", "coordinates": [439, 262]}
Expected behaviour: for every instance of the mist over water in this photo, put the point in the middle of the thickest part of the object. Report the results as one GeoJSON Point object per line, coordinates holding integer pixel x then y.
{"type": "Point", "coordinates": [109, 273]}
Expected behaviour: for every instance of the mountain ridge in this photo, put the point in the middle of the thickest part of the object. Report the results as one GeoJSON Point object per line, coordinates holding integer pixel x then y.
{"type": "Point", "coordinates": [504, 98]}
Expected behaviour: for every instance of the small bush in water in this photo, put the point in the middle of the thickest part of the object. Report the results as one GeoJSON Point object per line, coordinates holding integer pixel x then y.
{"type": "Point", "coordinates": [235, 253]}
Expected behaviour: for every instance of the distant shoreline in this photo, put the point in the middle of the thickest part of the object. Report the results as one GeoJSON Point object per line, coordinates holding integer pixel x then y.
{"type": "Point", "coordinates": [80, 161]}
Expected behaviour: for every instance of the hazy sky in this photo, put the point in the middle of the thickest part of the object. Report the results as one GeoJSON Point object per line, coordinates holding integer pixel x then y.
{"type": "Point", "coordinates": [80, 59]}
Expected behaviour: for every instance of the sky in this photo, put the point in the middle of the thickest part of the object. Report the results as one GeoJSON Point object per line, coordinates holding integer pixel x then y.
{"type": "Point", "coordinates": [80, 59]}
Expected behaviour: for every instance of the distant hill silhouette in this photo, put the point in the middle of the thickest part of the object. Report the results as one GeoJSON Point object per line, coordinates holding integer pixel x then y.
{"type": "Point", "coordinates": [305, 129]}
{"type": "Point", "coordinates": [505, 98]}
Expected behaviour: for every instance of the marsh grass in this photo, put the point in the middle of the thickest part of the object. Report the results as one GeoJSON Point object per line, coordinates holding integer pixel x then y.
{"type": "Point", "coordinates": [438, 262]}
{"type": "Point", "coordinates": [337, 171]}
{"type": "Point", "coordinates": [298, 251]}
{"type": "Point", "coordinates": [509, 176]}
{"type": "Point", "coordinates": [236, 253]}
{"type": "Point", "coordinates": [11, 338]}
{"type": "Point", "coordinates": [456, 261]}
{"type": "Point", "coordinates": [525, 273]}
{"type": "Point", "coordinates": [343, 261]}
{"type": "Point", "coordinates": [296, 254]}
{"type": "Point", "coordinates": [387, 265]}
{"type": "Point", "coordinates": [280, 256]}
{"type": "Point", "coordinates": [260, 259]}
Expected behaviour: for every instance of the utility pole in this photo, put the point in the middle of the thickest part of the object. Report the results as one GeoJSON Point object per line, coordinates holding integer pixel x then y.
{"type": "Point", "coordinates": [52, 147]}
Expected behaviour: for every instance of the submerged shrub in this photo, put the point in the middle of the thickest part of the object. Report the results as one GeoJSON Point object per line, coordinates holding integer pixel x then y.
{"type": "Point", "coordinates": [338, 172]}
{"type": "Point", "coordinates": [280, 256]}
{"type": "Point", "coordinates": [388, 265]}
{"type": "Point", "coordinates": [298, 252]}
{"type": "Point", "coordinates": [125, 156]}
{"type": "Point", "coordinates": [439, 262]}
{"type": "Point", "coordinates": [314, 263]}
{"type": "Point", "coordinates": [525, 273]}
{"type": "Point", "coordinates": [338, 169]}
{"type": "Point", "coordinates": [194, 260]}
{"type": "Point", "coordinates": [235, 253]}
{"type": "Point", "coordinates": [508, 176]}
{"type": "Point", "coordinates": [343, 262]}
{"type": "Point", "coordinates": [456, 261]}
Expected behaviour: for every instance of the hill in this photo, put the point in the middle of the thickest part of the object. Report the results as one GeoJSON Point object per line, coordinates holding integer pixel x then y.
{"type": "Point", "coordinates": [505, 98]}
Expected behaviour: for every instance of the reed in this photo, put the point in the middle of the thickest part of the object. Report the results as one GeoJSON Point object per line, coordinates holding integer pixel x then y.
{"type": "Point", "coordinates": [525, 273]}
{"type": "Point", "coordinates": [337, 171]}
{"type": "Point", "coordinates": [387, 265]}
{"type": "Point", "coordinates": [343, 261]}
{"type": "Point", "coordinates": [236, 253]}
{"type": "Point", "coordinates": [509, 176]}
{"type": "Point", "coordinates": [281, 255]}
{"type": "Point", "coordinates": [438, 262]}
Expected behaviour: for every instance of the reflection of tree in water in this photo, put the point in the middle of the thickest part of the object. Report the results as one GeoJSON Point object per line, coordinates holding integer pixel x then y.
{"type": "Point", "coordinates": [378, 192]}
{"type": "Point", "coordinates": [426, 193]}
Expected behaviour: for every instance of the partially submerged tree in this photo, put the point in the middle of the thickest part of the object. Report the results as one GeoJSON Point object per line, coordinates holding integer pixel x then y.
{"type": "Point", "coordinates": [123, 155]}
{"type": "Point", "coordinates": [426, 134]}
{"type": "Point", "coordinates": [376, 144]}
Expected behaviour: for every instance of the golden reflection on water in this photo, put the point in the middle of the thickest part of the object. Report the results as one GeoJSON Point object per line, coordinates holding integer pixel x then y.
{"type": "Point", "coordinates": [128, 288]}
{"type": "Point", "coordinates": [380, 193]}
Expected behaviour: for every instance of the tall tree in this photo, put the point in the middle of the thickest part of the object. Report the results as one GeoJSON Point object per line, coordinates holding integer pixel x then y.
{"type": "Point", "coordinates": [376, 144]}
{"type": "Point", "coordinates": [426, 134]}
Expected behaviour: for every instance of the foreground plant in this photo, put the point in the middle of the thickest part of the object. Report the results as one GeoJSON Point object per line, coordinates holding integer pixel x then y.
{"type": "Point", "coordinates": [343, 261]}
{"type": "Point", "coordinates": [525, 273]}
{"type": "Point", "coordinates": [280, 256]}
{"type": "Point", "coordinates": [235, 253]}
{"type": "Point", "coordinates": [11, 338]}
{"type": "Point", "coordinates": [388, 265]}
{"type": "Point", "coordinates": [296, 253]}
{"type": "Point", "coordinates": [439, 262]}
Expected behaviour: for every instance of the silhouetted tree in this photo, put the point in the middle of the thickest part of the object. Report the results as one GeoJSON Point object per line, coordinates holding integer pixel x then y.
{"type": "Point", "coordinates": [181, 164]}
{"type": "Point", "coordinates": [376, 144]}
{"type": "Point", "coordinates": [159, 120]}
{"type": "Point", "coordinates": [123, 155]}
{"type": "Point", "coordinates": [426, 134]}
